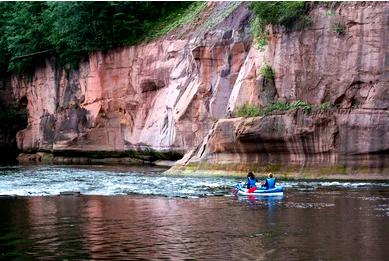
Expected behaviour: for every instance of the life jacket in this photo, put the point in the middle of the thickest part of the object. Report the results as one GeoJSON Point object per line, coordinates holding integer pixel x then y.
{"type": "Point", "coordinates": [270, 183]}
{"type": "Point", "coordinates": [250, 182]}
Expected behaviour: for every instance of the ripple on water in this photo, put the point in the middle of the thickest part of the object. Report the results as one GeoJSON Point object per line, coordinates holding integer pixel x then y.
{"type": "Point", "coordinates": [307, 185]}
{"type": "Point", "coordinates": [382, 209]}
{"type": "Point", "coordinates": [96, 180]}
{"type": "Point", "coordinates": [309, 205]}
{"type": "Point", "coordinates": [42, 181]}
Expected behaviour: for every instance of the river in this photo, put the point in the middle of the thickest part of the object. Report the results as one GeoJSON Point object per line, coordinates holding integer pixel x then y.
{"type": "Point", "coordinates": [139, 213]}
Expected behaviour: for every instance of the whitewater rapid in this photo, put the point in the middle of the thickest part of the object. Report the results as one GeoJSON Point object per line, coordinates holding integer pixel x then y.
{"type": "Point", "coordinates": [103, 180]}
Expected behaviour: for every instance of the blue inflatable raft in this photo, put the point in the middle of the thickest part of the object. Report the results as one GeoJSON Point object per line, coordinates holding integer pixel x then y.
{"type": "Point", "coordinates": [241, 189]}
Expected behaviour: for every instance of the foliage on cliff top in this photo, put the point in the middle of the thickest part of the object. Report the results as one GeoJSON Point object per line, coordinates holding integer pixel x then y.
{"type": "Point", "coordinates": [176, 19]}
{"type": "Point", "coordinates": [70, 30]}
{"type": "Point", "coordinates": [275, 13]}
{"type": "Point", "coordinates": [278, 13]}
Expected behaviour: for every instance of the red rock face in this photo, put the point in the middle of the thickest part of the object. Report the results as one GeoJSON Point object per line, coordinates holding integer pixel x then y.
{"type": "Point", "coordinates": [319, 139]}
{"type": "Point", "coordinates": [167, 95]}
{"type": "Point", "coordinates": [164, 95]}
{"type": "Point", "coordinates": [316, 65]}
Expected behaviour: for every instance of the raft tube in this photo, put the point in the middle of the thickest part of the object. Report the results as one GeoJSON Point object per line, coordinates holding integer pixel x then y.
{"type": "Point", "coordinates": [260, 191]}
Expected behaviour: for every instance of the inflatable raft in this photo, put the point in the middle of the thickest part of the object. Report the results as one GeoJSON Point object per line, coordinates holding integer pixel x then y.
{"type": "Point", "coordinates": [240, 189]}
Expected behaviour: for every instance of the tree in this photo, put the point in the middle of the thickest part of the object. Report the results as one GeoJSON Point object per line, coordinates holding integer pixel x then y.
{"type": "Point", "coordinates": [25, 32]}
{"type": "Point", "coordinates": [71, 30]}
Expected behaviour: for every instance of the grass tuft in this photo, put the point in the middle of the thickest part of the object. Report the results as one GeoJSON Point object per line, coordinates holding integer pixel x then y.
{"type": "Point", "coordinates": [249, 110]}
{"type": "Point", "coordinates": [176, 20]}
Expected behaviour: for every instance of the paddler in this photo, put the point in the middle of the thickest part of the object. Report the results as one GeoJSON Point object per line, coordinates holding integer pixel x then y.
{"type": "Point", "coordinates": [270, 182]}
{"type": "Point", "coordinates": [251, 180]}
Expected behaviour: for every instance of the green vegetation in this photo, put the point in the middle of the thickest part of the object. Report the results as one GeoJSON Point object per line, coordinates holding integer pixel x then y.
{"type": "Point", "coordinates": [267, 72]}
{"type": "Point", "coordinates": [278, 13]}
{"type": "Point", "coordinates": [275, 13]}
{"type": "Point", "coordinates": [176, 19]}
{"type": "Point", "coordinates": [338, 28]}
{"type": "Point", "coordinates": [330, 12]}
{"type": "Point", "coordinates": [284, 106]}
{"type": "Point", "coordinates": [249, 110]}
{"type": "Point", "coordinates": [30, 31]}
{"type": "Point", "coordinates": [326, 106]}
{"type": "Point", "coordinates": [304, 22]}
{"type": "Point", "coordinates": [220, 15]}
{"type": "Point", "coordinates": [261, 43]}
{"type": "Point", "coordinates": [259, 34]}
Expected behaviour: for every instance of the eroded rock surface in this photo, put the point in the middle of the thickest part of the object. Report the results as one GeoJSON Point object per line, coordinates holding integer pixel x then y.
{"type": "Point", "coordinates": [177, 93]}
{"type": "Point", "coordinates": [163, 96]}
{"type": "Point", "coordinates": [316, 65]}
{"type": "Point", "coordinates": [322, 139]}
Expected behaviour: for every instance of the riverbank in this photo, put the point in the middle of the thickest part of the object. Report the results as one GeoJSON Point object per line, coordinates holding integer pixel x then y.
{"type": "Point", "coordinates": [130, 157]}
{"type": "Point", "coordinates": [283, 172]}
{"type": "Point", "coordinates": [289, 172]}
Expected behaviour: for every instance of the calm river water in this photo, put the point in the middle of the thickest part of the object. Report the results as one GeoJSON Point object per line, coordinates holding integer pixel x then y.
{"type": "Point", "coordinates": [141, 214]}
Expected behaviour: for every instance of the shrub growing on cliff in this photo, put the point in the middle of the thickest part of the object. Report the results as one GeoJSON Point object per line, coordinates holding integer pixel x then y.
{"type": "Point", "coordinates": [277, 106]}
{"type": "Point", "coordinates": [249, 110]}
{"type": "Point", "coordinates": [275, 13]}
{"type": "Point", "coordinates": [259, 33]}
{"type": "Point", "coordinates": [338, 28]}
{"type": "Point", "coordinates": [306, 107]}
{"type": "Point", "coordinates": [267, 72]}
{"type": "Point", "coordinates": [326, 106]}
{"type": "Point", "coordinates": [285, 106]}
{"type": "Point", "coordinates": [300, 105]}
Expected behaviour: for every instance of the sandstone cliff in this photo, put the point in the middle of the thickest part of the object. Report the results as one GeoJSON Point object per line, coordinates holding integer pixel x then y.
{"type": "Point", "coordinates": [162, 96]}
{"type": "Point", "coordinates": [176, 93]}
{"type": "Point", "coordinates": [349, 69]}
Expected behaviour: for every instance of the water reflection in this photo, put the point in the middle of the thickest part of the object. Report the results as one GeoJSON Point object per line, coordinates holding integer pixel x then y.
{"type": "Point", "coordinates": [269, 203]}
{"type": "Point", "coordinates": [346, 225]}
{"type": "Point", "coordinates": [257, 200]}
{"type": "Point", "coordinates": [312, 221]}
